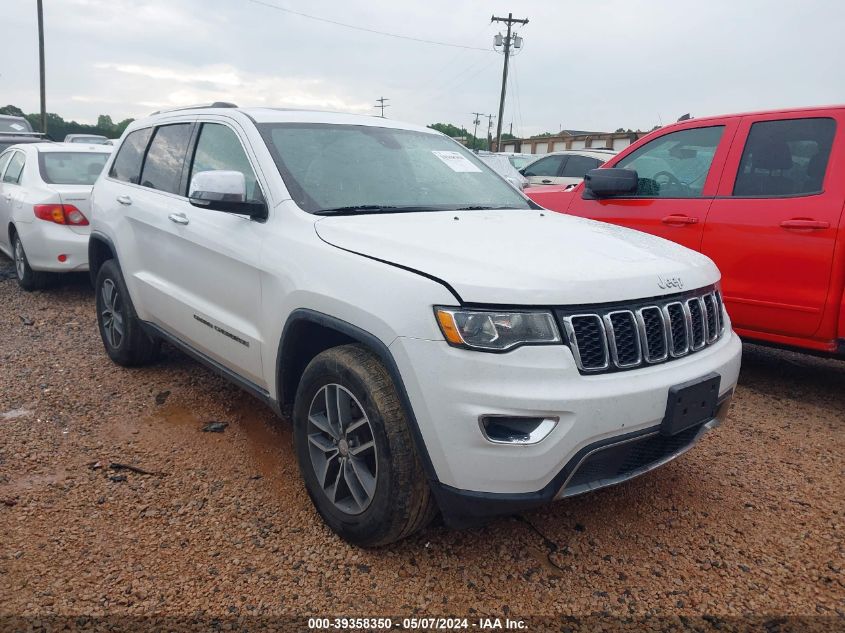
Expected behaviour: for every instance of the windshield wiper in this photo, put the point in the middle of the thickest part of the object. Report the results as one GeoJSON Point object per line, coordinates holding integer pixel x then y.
{"type": "Point", "coordinates": [370, 208]}
{"type": "Point", "coordinates": [480, 208]}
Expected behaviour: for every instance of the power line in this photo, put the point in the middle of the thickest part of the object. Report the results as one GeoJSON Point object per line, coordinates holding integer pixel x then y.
{"type": "Point", "coordinates": [364, 29]}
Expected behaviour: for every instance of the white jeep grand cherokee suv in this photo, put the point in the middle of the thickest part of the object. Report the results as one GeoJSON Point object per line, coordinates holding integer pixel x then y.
{"type": "Point", "coordinates": [444, 342]}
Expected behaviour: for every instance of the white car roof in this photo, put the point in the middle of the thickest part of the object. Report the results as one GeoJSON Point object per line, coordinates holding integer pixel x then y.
{"type": "Point", "coordinates": [72, 147]}
{"type": "Point", "coordinates": [283, 115]}
{"type": "Point", "coordinates": [603, 154]}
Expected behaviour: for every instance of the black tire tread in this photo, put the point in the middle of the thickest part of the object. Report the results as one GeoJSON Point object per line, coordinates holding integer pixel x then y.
{"type": "Point", "coordinates": [33, 279]}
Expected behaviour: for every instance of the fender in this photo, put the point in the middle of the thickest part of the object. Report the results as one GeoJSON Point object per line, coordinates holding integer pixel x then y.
{"type": "Point", "coordinates": [377, 346]}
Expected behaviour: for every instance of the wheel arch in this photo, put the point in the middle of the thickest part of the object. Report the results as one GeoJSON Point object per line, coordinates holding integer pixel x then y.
{"type": "Point", "coordinates": [307, 333]}
{"type": "Point", "coordinates": [100, 250]}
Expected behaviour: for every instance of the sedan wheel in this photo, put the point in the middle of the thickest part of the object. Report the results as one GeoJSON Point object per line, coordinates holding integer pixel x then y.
{"type": "Point", "coordinates": [112, 313]}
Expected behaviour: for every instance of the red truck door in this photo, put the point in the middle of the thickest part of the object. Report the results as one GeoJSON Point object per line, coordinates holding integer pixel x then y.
{"type": "Point", "coordinates": [772, 229]}
{"type": "Point", "coordinates": [679, 174]}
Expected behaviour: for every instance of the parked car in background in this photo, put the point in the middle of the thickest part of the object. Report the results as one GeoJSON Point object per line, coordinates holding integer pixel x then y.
{"type": "Point", "coordinates": [502, 166]}
{"type": "Point", "coordinates": [14, 125]}
{"type": "Point", "coordinates": [444, 342]}
{"type": "Point", "coordinates": [15, 130]}
{"type": "Point", "coordinates": [90, 139]}
{"type": "Point", "coordinates": [762, 194]}
{"type": "Point", "coordinates": [519, 160]}
{"type": "Point", "coordinates": [566, 167]}
{"type": "Point", "coordinates": [44, 203]}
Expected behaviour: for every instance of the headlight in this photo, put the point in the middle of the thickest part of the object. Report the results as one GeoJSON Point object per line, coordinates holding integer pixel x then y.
{"type": "Point", "coordinates": [496, 331]}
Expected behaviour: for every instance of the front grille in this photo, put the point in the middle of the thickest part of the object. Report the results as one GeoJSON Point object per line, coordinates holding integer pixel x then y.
{"type": "Point", "coordinates": [624, 459]}
{"type": "Point", "coordinates": [619, 337]}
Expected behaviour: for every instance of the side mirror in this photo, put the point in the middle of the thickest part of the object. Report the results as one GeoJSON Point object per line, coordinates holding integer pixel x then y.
{"type": "Point", "coordinates": [604, 183]}
{"type": "Point", "coordinates": [223, 190]}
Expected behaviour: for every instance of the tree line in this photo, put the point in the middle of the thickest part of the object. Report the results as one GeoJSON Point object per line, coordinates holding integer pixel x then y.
{"type": "Point", "coordinates": [58, 128]}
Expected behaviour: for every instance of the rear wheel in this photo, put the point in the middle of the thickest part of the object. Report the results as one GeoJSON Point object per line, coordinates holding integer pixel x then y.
{"type": "Point", "coordinates": [355, 450]}
{"type": "Point", "coordinates": [28, 279]}
{"type": "Point", "coordinates": [123, 337]}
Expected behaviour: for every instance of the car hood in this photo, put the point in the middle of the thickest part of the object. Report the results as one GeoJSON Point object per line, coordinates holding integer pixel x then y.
{"type": "Point", "coordinates": [523, 257]}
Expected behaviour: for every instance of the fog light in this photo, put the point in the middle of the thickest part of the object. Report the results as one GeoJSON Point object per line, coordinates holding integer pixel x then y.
{"type": "Point", "coordinates": [62, 258]}
{"type": "Point", "coordinates": [503, 429]}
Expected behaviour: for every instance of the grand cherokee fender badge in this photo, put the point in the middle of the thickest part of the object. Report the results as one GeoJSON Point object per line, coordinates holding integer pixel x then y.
{"type": "Point", "coordinates": [220, 330]}
{"type": "Point", "coordinates": [670, 282]}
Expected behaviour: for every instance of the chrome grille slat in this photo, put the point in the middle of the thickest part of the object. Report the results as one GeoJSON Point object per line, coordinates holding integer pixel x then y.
{"type": "Point", "coordinates": [625, 337]}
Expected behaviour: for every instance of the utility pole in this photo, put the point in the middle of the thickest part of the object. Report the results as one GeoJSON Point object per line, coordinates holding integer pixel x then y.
{"type": "Point", "coordinates": [489, 127]}
{"type": "Point", "coordinates": [381, 104]}
{"type": "Point", "coordinates": [509, 40]}
{"type": "Point", "coordinates": [475, 122]}
{"type": "Point", "coordinates": [41, 65]}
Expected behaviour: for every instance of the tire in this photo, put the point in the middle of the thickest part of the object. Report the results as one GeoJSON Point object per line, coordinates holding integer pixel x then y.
{"type": "Point", "coordinates": [368, 496]}
{"type": "Point", "coordinates": [123, 337]}
{"type": "Point", "coordinates": [28, 279]}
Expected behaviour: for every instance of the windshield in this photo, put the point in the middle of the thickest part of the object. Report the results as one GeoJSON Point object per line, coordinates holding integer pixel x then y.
{"type": "Point", "coordinates": [14, 125]}
{"type": "Point", "coordinates": [71, 168]}
{"type": "Point", "coordinates": [519, 162]}
{"type": "Point", "coordinates": [360, 168]}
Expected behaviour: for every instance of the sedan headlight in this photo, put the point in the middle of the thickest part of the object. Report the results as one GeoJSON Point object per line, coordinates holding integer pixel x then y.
{"type": "Point", "coordinates": [495, 331]}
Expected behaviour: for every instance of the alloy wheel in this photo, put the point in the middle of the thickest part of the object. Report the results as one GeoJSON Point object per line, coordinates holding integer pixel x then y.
{"type": "Point", "coordinates": [342, 449]}
{"type": "Point", "coordinates": [112, 313]}
{"type": "Point", "coordinates": [20, 259]}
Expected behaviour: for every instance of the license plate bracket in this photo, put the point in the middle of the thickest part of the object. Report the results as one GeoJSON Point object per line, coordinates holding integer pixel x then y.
{"type": "Point", "coordinates": [691, 403]}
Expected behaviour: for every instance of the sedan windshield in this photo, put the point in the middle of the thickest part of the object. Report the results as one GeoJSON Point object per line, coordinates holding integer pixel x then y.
{"type": "Point", "coordinates": [71, 168]}
{"type": "Point", "coordinates": [337, 169]}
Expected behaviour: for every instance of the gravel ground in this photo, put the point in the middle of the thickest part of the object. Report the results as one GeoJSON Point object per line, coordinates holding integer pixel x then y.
{"type": "Point", "coordinates": [750, 521]}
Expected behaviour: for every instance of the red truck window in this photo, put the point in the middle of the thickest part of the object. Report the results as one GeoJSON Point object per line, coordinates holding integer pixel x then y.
{"type": "Point", "coordinates": [785, 158]}
{"type": "Point", "coordinates": [675, 165]}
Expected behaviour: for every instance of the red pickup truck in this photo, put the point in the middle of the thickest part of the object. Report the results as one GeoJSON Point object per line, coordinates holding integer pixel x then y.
{"type": "Point", "coordinates": [761, 194]}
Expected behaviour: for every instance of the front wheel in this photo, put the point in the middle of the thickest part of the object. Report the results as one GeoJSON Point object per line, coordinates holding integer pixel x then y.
{"type": "Point", "coordinates": [355, 450]}
{"type": "Point", "coordinates": [125, 341]}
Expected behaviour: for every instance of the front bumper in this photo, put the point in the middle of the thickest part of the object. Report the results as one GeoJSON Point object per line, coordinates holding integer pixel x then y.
{"type": "Point", "coordinates": [451, 389]}
{"type": "Point", "coordinates": [44, 241]}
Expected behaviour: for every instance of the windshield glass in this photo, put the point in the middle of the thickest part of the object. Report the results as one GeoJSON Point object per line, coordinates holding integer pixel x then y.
{"type": "Point", "coordinates": [71, 168]}
{"type": "Point", "coordinates": [14, 125]}
{"type": "Point", "coordinates": [360, 168]}
{"type": "Point", "coordinates": [519, 162]}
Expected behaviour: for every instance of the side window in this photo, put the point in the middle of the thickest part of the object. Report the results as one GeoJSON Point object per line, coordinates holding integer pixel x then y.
{"type": "Point", "coordinates": [549, 166]}
{"type": "Point", "coordinates": [675, 165]}
{"type": "Point", "coordinates": [14, 169]}
{"type": "Point", "coordinates": [166, 157]}
{"type": "Point", "coordinates": [578, 166]}
{"type": "Point", "coordinates": [127, 163]}
{"type": "Point", "coordinates": [4, 160]}
{"type": "Point", "coordinates": [785, 158]}
{"type": "Point", "coordinates": [218, 147]}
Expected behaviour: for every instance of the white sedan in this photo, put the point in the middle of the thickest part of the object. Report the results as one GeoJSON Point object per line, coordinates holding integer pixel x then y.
{"type": "Point", "coordinates": [45, 191]}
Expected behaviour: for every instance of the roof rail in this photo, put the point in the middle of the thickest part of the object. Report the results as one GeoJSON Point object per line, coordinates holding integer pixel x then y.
{"type": "Point", "coordinates": [216, 104]}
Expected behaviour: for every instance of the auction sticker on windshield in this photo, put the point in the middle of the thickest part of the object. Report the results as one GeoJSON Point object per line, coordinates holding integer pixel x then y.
{"type": "Point", "coordinates": [455, 160]}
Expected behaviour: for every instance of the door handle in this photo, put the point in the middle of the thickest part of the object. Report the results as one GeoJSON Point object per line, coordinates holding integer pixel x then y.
{"type": "Point", "coordinates": [804, 223]}
{"type": "Point", "coordinates": [546, 181]}
{"type": "Point", "coordinates": [124, 200]}
{"type": "Point", "coordinates": [179, 218]}
{"type": "Point", "coordinates": [679, 219]}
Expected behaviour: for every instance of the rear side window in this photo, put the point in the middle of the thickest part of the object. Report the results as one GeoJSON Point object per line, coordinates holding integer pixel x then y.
{"type": "Point", "coordinates": [578, 166]}
{"type": "Point", "coordinates": [166, 157]}
{"type": "Point", "coordinates": [4, 160]}
{"type": "Point", "coordinates": [127, 163]}
{"type": "Point", "coordinates": [785, 158]}
{"type": "Point", "coordinates": [549, 166]}
{"type": "Point", "coordinates": [674, 165]}
{"type": "Point", "coordinates": [218, 148]}
{"type": "Point", "coordinates": [15, 168]}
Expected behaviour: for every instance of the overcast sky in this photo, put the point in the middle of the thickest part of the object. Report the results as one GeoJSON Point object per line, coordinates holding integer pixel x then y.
{"type": "Point", "coordinates": [588, 64]}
